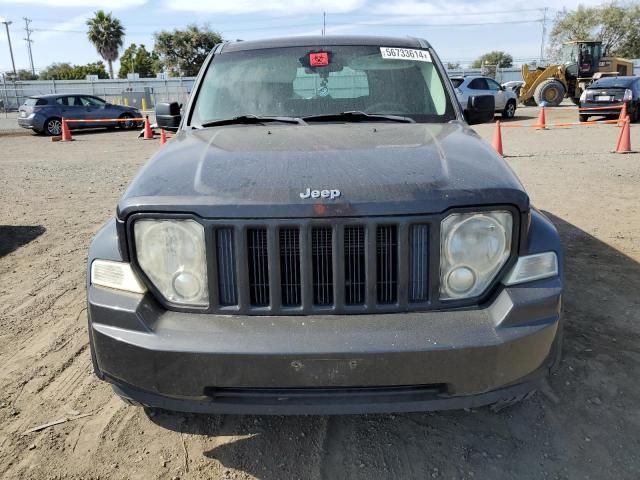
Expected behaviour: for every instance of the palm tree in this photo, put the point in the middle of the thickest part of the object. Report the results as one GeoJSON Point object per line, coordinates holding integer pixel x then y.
{"type": "Point", "coordinates": [106, 34]}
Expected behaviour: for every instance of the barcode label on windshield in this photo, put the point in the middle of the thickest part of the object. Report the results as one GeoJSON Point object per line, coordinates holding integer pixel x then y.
{"type": "Point", "coordinates": [391, 53]}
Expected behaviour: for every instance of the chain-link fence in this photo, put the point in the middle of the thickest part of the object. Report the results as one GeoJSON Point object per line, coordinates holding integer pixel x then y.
{"type": "Point", "coordinates": [13, 94]}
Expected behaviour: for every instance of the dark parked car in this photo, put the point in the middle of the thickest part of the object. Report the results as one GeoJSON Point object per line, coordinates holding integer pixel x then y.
{"type": "Point", "coordinates": [44, 113]}
{"type": "Point", "coordinates": [324, 234]}
{"type": "Point", "coordinates": [611, 92]}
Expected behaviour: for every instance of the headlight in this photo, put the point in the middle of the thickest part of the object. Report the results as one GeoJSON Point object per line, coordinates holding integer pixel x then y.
{"type": "Point", "coordinates": [172, 254]}
{"type": "Point", "coordinates": [474, 247]}
{"type": "Point", "coordinates": [628, 95]}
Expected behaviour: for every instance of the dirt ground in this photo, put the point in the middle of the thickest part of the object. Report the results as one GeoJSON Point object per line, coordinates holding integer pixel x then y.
{"type": "Point", "coordinates": [584, 425]}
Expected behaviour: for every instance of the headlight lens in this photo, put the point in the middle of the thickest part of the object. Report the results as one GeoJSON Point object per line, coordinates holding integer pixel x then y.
{"type": "Point", "coordinates": [474, 247]}
{"type": "Point", "coordinates": [172, 254]}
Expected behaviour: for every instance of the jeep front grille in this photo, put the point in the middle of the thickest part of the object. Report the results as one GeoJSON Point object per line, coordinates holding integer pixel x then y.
{"type": "Point", "coordinates": [309, 266]}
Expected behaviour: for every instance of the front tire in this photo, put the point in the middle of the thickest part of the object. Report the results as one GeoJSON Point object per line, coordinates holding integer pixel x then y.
{"type": "Point", "coordinates": [509, 110]}
{"type": "Point", "coordinates": [551, 91]}
{"type": "Point", "coordinates": [584, 118]}
{"type": "Point", "coordinates": [53, 127]}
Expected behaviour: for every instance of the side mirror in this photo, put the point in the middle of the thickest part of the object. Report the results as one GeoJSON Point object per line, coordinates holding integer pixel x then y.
{"type": "Point", "coordinates": [481, 109]}
{"type": "Point", "coordinates": [168, 116]}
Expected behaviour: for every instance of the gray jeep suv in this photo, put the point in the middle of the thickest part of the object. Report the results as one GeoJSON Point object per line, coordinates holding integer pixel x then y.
{"type": "Point", "coordinates": [324, 234]}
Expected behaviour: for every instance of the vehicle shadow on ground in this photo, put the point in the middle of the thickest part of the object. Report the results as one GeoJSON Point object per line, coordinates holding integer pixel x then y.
{"type": "Point", "coordinates": [574, 428]}
{"type": "Point", "coordinates": [13, 237]}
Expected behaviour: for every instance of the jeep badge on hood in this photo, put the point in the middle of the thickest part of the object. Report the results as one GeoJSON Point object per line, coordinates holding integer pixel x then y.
{"type": "Point", "coordinates": [331, 194]}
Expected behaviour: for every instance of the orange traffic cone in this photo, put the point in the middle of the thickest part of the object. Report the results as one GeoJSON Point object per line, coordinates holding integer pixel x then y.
{"type": "Point", "coordinates": [148, 133]}
{"type": "Point", "coordinates": [497, 139]}
{"type": "Point", "coordinates": [163, 137]}
{"type": "Point", "coordinates": [623, 115]}
{"type": "Point", "coordinates": [542, 123]}
{"type": "Point", "coordinates": [624, 141]}
{"type": "Point", "coordinates": [66, 133]}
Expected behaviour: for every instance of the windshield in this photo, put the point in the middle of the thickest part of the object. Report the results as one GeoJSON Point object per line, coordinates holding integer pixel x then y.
{"type": "Point", "coordinates": [307, 81]}
{"type": "Point", "coordinates": [612, 83]}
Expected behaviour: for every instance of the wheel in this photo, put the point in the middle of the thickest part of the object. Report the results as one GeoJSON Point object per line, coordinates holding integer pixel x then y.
{"type": "Point", "coordinates": [584, 118]}
{"type": "Point", "coordinates": [53, 127]}
{"type": "Point", "coordinates": [636, 114]}
{"type": "Point", "coordinates": [551, 91]}
{"type": "Point", "coordinates": [127, 124]}
{"type": "Point", "coordinates": [509, 110]}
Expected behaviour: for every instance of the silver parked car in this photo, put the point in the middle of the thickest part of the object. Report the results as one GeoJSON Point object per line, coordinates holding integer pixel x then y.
{"type": "Point", "coordinates": [506, 99]}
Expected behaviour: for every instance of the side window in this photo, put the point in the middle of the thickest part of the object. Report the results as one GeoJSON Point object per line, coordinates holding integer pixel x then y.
{"type": "Point", "coordinates": [347, 83]}
{"type": "Point", "coordinates": [478, 84]}
{"type": "Point", "coordinates": [493, 85]}
{"type": "Point", "coordinates": [74, 101]}
{"type": "Point", "coordinates": [62, 101]}
{"type": "Point", "coordinates": [91, 102]}
{"type": "Point", "coordinates": [41, 101]}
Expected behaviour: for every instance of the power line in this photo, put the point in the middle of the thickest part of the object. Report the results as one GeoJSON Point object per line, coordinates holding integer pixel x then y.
{"type": "Point", "coordinates": [27, 21]}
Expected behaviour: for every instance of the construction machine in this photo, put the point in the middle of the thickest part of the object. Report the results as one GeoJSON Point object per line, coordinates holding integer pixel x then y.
{"type": "Point", "coordinates": [581, 63]}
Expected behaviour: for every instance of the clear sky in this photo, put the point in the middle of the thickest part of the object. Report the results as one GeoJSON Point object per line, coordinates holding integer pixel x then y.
{"type": "Point", "coordinates": [460, 30]}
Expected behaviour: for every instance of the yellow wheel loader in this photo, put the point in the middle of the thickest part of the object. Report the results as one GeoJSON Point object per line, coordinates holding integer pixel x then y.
{"type": "Point", "coordinates": [582, 62]}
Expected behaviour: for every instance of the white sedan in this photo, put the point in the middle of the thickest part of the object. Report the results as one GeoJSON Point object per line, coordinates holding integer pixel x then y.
{"type": "Point", "coordinates": [506, 99]}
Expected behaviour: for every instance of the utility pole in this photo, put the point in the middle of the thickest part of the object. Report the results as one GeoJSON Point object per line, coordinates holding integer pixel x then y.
{"type": "Point", "coordinates": [27, 21]}
{"type": "Point", "coordinates": [544, 34]}
{"type": "Point", "coordinates": [6, 25]}
{"type": "Point", "coordinates": [324, 23]}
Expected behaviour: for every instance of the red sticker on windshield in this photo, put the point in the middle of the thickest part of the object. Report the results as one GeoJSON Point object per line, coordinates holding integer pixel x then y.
{"type": "Point", "coordinates": [319, 59]}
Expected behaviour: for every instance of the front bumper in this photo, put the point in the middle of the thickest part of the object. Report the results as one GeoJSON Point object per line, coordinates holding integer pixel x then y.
{"type": "Point", "coordinates": [325, 364]}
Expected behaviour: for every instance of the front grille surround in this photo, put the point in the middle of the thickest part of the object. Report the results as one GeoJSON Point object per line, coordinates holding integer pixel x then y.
{"type": "Point", "coordinates": [338, 225]}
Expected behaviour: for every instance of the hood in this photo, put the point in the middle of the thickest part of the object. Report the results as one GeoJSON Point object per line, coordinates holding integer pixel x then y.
{"type": "Point", "coordinates": [254, 171]}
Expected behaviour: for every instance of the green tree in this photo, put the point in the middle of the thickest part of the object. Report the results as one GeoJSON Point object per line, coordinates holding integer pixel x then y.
{"type": "Point", "coordinates": [139, 60]}
{"type": "Point", "coordinates": [182, 52]}
{"type": "Point", "coordinates": [616, 26]}
{"type": "Point", "coordinates": [497, 58]}
{"type": "Point", "coordinates": [21, 74]}
{"type": "Point", "coordinates": [106, 34]}
{"type": "Point", "coordinates": [66, 71]}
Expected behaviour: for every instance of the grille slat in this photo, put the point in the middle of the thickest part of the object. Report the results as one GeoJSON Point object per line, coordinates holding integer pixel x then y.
{"type": "Point", "coordinates": [418, 263]}
{"type": "Point", "coordinates": [387, 264]}
{"type": "Point", "coordinates": [227, 285]}
{"type": "Point", "coordinates": [290, 267]}
{"type": "Point", "coordinates": [354, 265]}
{"type": "Point", "coordinates": [322, 265]}
{"type": "Point", "coordinates": [258, 267]}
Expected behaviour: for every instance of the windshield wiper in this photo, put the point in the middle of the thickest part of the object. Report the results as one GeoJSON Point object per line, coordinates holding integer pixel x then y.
{"type": "Point", "coordinates": [252, 120]}
{"type": "Point", "coordinates": [357, 116]}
